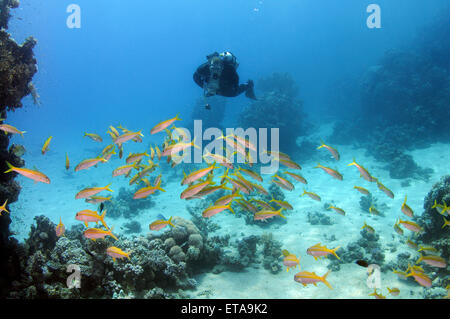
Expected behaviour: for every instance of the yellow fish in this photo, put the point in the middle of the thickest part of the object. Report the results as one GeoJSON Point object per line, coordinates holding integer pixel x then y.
{"type": "Point", "coordinates": [46, 144]}
{"type": "Point", "coordinates": [115, 252]}
{"type": "Point", "coordinates": [3, 208]}
{"type": "Point", "coordinates": [34, 175]}
{"type": "Point", "coordinates": [94, 137]}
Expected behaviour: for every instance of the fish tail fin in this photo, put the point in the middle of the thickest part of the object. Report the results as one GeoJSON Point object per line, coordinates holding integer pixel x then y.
{"type": "Point", "coordinates": [111, 234]}
{"type": "Point", "coordinates": [324, 279]}
{"type": "Point", "coordinates": [21, 133]}
{"type": "Point", "coordinates": [102, 219]}
{"type": "Point", "coordinates": [11, 168]}
{"type": "Point", "coordinates": [334, 252]}
{"type": "Point", "coordinates": [107, 187]}
{"type": "Point", "coordinates": [280, 214]}
{"type": "Point", "coordinates": [177, 118]}
{"type": "Point", "coordinates": [229, 207]}
{"type": "Point", "coordinates": [446, 222]}
{"type": "Point", "coordinates": [158, 186]}
{"type": "Point", "coordinates": [170, 222]}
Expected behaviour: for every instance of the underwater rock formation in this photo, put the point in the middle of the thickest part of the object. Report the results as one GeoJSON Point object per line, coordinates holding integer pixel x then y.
{"type": "Point", "coordinates": [318, 218]}
{"type": "Point", "coordinates": [434, 233]}
{"type": "Point", "coordinates": [279, 99]}
{"type": "Point", "coordinates": [17, 68]}
{"type": "Point", "coordinates": [367, 248]}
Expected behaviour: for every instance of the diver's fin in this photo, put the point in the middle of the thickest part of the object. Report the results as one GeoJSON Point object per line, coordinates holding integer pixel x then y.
{"type": "Point", "coordinates": [250, 93]}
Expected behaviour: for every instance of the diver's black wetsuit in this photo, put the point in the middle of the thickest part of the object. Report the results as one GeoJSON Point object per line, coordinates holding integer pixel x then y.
{"type": "Point", "coordinates": [228, 81]}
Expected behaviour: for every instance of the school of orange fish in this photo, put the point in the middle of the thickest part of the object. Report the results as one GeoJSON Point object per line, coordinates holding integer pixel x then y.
{"type": "Point", "coordinates": [200, 183]}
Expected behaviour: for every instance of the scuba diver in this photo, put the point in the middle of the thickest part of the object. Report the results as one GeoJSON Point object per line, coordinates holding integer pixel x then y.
{"type": "Point", "coordinates": [218, 76]}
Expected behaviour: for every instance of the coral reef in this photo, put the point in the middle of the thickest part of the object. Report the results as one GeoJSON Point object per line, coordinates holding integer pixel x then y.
{"type": "Point", "coordinates": [278, 98]}
{"type": "Point", "coordinates": [318, 218]}
{"type": "Point", "coordinates": [366, 201]}
{"type": "Point", "coordinates": [17, 67]}
{"type": "Point", "coordinates": [367, 248]}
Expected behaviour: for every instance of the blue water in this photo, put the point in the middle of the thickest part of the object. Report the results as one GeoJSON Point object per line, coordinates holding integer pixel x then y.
{"type": "Point", "coordinates": [131, 63]}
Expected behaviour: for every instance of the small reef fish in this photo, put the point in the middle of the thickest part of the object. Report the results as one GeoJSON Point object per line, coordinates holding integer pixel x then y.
{"type": "Point", "coordinates": [97, 199]}
{"type": "Point", "coordinates": [368, 228]}
{"type": "Point", "coordinates": [400, 274]}
{"type": "Point", "coordinates": [337, 210]}
{"type": "Point", "coordinates": [3, 208]}
{"type": "Point", "coordinates": [306, 277]}
{"type": "Point", "coordinates": [60, 229]}
{"type": "Point", "coordinates": [420, 278]}
{"type": "Point", "coordinates": [91, 216]}
{"type": "Point", "coordinates": [446, 223]}
{"type": "Point", "coordinates": [135, 157]}
{"type": "Point", "coordinates": [244, 142]}
{"type": "Point", "coordinates": [46, 144]}
{"type": "Point", "coordinates": [213, 210]}
{"type": "Point", "coordinates": [332, 150]}
{"type": "Point", "coordinates": [11, 129]}
{"type": "Point", "coordinates": [124, 170]}
{"type": "Point", "coordinates": [222, 160]}
{"type": "Point", "coordinates": [237, 184]}
{"type": "Point", "coordinates": [373, 210]}
{"type": "Point", "coordinates": [158, 153]}
{"type": "Point", "coordinates": [362, 190]}
{"type": "Point", "coordinates": [90, 191]}
{"type": "Point", "coordinates": [119, 140]}
{"type": "Point", "coordinates": [386, 190]}
{"type": "Point", "coordinates": [442, 209]}
{"type": "Point", "coordinates": [312, 195]}
{"type": "Point", "coordinates": [246, 205]}
{"type": "Point", "coordinates": [262, 204]}
{"type": "Point", "coordinates": [164, 124]}
{"type": "Point", "coordinates": [192, 177]}
{"type": "Point", "coordinates": [393, 291]}
{"type": "Point", "coordinates": [412, 226]}
{"type": "Point", "coordinates": [160, 224]}
{"type": "Point", "coordinates": [114, 130]}
{"type": "Point", "coordinates": [29, 173]}
{"type": "Point", "coordinates": [406, 209]}
{"type": "Point", "coordinates": [120, 150]}
{"type": "Point", "coordinates": [225, 200]}
{"type": "Point", "coordinates": [265, 214]}
{"type": "Point", "coordinates": [94, 137]}
{"type": "Point", "coordinates": [260, 189]}
{"type": "Point", "coordinates": [411, 244]}
{"type": "Point", "coordinates": [117, 253]}
{"type": "Point", "coordinates": [194, 189]}
{"type": "Point", "coordinates": [282, 203]}
{"type": "Point", "coordinates": [364, 173]}
{"type": "Point", "coordinates": [87, 163]}
{"type": "Point", "coordinates": [377, 295]}
{"type": "Point", "coordinates": [427, 249]}
{"type": "Point", "coordinates": [330, 171]}
{"type": "Point", "coordinates": [290, 260]}
{"type": "Point", "coordinates": [290, 163]}
{"type": "Point", "coordinates": [398, 229]}
{"type": "Point", "coordinates": [277, 155]}
{"type": "Point", "coordinates": [67, 162]}
{"type": "Point", "coordinates": [146, 191]}
{"type": "Point", "coordinates": [284, 183]}
{"type": "Point", "coordinates": [96, 233]}
{"type": "Point", "coordinates": [318, 251]}
{"type": "Point", "coordinates": [248, 185]}
{"type": "Point", "coordinates": [297, 177]}
{"type": "Point", "coordinates": [209, 190]}
{"type": "Point", "coordinates": [178, 147]}
{"type": "Point", "coordinates": [432, 260]}
{"type": "Point", "coordinates": [251, 173]}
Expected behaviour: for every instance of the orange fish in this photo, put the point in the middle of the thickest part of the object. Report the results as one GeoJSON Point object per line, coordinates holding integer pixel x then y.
{"type": "Point", "coordinates": [87, 163]}
{"type": "Point", "coordinates": [90, 191]}
{"type": "Point", "coordinates": [306, 277]}
{"type": "Point", "coordinates": [364, 173]}
{"type": "Point", "coordinates": [119, 140]}
{"type": "Point", "coordinates": [160, 224]}
{"type": "Point", "coordinates": [46, 144]}
{"type": "Point", "coordinates": [332, 150]}
{"type": "Point", "coordinates": [60, 229]}
{"type": "Point", "coordinates": [91, 216]}
{"type": "Point", "coordinates": [117, 253]}
{"type": "Point", "coordinates": [330, 171]}
{"type": "Point", "coordinates": [67, 162]}
{"type": "Point", "coordinates": [312, 195]}
{"type": "Point", "coordinates": [95, 233]}
{"type": "Point", "coordinates": [192, 177]}
{"type": "Point", "coordinates": [164, 124]}
{"type": "Point", "coordinates": [10, 129]}
{"type": "Point", "coordinates": [318, 251]}
{"type": "Point", "coordinates": [406, 209]}
{"type": "Point", "coordinates": [34, 175]}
